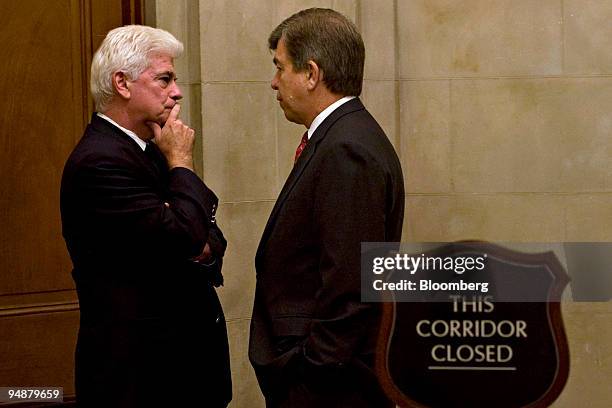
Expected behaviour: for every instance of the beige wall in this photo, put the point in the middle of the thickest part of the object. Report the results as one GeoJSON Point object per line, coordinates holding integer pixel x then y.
{"type": "Point", "coordinates": [499, 109]}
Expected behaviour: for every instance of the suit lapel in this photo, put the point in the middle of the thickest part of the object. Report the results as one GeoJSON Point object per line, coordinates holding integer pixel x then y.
{"type": "Point", "coordinates": [156, 159]}
{"type": "Point", "coordinates": [151, 162]}
{"type": "Point", "coordinates": [303, 162]}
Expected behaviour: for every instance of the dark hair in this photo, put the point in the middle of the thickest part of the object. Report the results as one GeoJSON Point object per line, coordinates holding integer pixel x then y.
{"type": "Point", "coordinates": [329, 39]}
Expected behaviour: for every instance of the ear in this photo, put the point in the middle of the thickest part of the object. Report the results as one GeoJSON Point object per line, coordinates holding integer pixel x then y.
{"type": "Point", "coordinates": [314, 75]}
{"type": "Point", "coordinates": [121, 84]}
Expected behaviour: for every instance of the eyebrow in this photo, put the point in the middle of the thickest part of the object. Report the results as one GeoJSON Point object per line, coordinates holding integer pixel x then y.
{"type": "Point", "coordinates": [169, 73]}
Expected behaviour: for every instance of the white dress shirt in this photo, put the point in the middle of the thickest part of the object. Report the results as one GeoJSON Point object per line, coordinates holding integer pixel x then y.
{"type": "Point", "coordinates": [326, 112]}
{"type": "Point", "coordinates": [128, 132]}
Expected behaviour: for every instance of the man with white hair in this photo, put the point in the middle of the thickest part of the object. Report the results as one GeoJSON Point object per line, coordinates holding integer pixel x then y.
{"type": "Point", "coordinates": [140, 228]}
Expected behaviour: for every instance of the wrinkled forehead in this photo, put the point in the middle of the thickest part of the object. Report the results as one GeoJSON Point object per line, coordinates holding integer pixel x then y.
{"type": "Point", "coordinates": [160, 62]}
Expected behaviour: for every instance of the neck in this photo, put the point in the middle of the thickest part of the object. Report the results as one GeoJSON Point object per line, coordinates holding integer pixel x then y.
{"type": "Point", "coordinates": [121, 116]}
{"type": "Point", "coordinates": [321, 103]}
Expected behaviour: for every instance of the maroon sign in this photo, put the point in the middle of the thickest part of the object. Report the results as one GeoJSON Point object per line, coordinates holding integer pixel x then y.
{"type": "Point", "coordinates": [472, 351]}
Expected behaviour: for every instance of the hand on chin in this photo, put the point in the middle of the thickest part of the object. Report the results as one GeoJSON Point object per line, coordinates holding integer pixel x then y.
{"type": "Point", "coordinates": [163, 117]}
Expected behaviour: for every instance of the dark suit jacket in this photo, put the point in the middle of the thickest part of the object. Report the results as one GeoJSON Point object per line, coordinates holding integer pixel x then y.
{"type": "Point", "coordinates": [346, 188]}
{"type": "Point", "coordinates": [151, 326]}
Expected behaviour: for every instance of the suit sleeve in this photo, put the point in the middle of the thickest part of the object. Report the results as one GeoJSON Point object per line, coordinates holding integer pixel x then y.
{"type": "Point", "coordinates": [349, 203]}
{"type": "Point", "coordinates": [124, 203]}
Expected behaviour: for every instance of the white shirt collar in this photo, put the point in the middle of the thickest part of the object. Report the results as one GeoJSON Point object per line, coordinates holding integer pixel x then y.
{"type": "Point", "coordinates": [128, 132]}
{"type": "Point", "coordinates": [326, 112]}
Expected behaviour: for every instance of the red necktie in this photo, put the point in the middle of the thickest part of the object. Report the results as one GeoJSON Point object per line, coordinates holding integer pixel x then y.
{"type": "Point", "coordinates": [301, 147]}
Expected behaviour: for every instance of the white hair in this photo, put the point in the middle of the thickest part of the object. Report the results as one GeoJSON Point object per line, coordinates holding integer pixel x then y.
{"type": "Point", "coordinates": [127, 49]}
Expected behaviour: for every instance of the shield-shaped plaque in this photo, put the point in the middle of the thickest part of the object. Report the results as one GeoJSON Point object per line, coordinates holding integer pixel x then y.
{"type": "Point", "coordinates": [474, 351]}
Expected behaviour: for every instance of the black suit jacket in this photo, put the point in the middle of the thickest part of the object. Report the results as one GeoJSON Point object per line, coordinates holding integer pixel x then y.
{"type": "Point", "coordinates": [346, 188]}
{"type": "Point", "coordinates": [151, 325]}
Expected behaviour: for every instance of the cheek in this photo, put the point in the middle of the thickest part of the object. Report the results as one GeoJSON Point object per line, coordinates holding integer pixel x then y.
{"type": "Point", "coordinates": [289, 86]}
{"type": "Point", "coordinates": [287, 82]}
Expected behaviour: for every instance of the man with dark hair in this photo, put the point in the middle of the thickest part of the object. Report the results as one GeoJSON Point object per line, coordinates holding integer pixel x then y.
{"type": "Point", "coordinates": [312, 339]}
{"type": "Point", "coordinates": [138, 223]}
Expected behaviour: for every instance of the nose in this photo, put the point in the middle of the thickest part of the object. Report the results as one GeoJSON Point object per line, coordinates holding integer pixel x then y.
{"type": "Point", "coordinates": [274, 83]}
{"type": "Point", "coordinates": [175, 92]}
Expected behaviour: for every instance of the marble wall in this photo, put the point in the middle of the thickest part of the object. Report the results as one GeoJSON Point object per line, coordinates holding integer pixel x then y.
{"type": "Point", "coordinates": [499, 109]}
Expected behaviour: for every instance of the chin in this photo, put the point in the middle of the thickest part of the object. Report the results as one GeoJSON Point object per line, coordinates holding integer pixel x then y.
{"type": "Point", "coordinates": [162, 119]}
{"type": "Point", "coordinates": [291, 118]}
